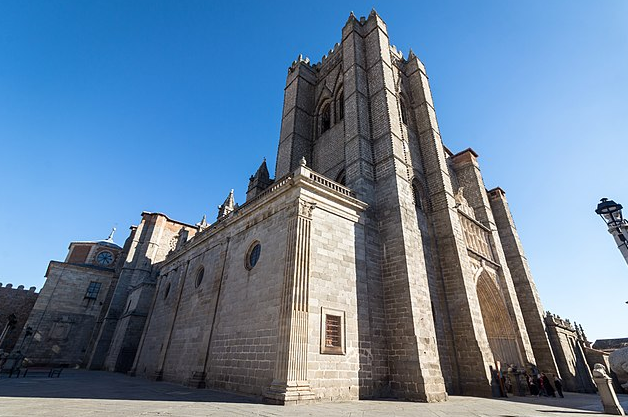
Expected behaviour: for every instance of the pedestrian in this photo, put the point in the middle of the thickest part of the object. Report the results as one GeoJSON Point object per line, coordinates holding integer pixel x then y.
{"type": "Point", "coordinates": [559, 386]}
{"type": "Point", "coordinates": [541, 383]}
{"type": "Point", "coordinates": [532, 386]}
{"type": "Point", "coordinates": [549, 389]}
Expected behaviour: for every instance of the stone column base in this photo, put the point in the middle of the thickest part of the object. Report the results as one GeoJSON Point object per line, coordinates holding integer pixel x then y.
{"type": "Point", "coordinates": [158, 375]}
{"type": "Point", "coordinates": [197, 380]}
{"type": "Point", "coordinates": [290, 394]}
{"type": "Point", "coordinates": [607, 395]}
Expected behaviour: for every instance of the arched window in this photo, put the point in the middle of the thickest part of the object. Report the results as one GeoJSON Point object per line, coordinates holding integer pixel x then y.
{"type": "Point", "coordinates": [340, 106]}
{"type": "Point", "coordinates": [341, 178]}
{"type": "Point", "coordinates": [325, 118]}
{"type": "Point", "coordinates": [404, 112]}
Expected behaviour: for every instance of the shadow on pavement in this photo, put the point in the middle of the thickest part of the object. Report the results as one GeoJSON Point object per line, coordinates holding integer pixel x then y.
{"type": "Point", "coordinates": [83, 384]}
{"type": "Point", "coordinates": [581, 403]}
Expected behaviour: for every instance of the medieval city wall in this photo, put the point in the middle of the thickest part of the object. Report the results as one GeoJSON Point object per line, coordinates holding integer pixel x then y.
{"type": "Point", "coordinates": [16, 301]}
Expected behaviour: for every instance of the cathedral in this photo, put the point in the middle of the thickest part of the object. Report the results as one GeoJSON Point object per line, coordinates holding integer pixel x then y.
{"type": "Point", "coordinates": [373, 264]}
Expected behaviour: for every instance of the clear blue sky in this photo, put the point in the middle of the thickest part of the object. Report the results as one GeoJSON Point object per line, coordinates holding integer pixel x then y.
{"type": "Point", "coordinates": [110, 108]}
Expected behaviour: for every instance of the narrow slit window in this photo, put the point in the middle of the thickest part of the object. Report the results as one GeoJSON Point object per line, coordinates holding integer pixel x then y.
{"type": "Point", "coordinates": [325, 118]}
{"type": "Point", "coordinates": [404, 112]}
{"type": "Point", "coordinates": [340, 106]}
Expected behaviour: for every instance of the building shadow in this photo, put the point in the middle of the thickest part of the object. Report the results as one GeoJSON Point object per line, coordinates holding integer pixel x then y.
{"type": "Point", "coordinates": [581, 403]}
{"type": "Point", "coordinates": [102, 385]}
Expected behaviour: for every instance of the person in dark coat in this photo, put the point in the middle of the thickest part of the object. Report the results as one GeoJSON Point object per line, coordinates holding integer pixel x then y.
{"type": "Point", "coordinates": [534, 390]}
{"type": "Point", "coordinates": [549, 389]}
{"type": "Point", "coordinates": [559, 386]}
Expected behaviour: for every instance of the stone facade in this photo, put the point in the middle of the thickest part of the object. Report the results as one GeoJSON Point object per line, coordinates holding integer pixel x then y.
{"type": "Point", "coordinates": [15, 307]}
{"type": "Point", "coordinates": [67, 315]}
{"type": "Point", "coordinates": [569, 344]}
{"type": "Point", "coordinates": [374, 264]}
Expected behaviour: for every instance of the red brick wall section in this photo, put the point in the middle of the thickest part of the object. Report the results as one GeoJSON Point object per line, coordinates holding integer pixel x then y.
{"type": "Point", "coordinates": [16, 301]}
{"type": "Point", "coordinates": [79, 254]}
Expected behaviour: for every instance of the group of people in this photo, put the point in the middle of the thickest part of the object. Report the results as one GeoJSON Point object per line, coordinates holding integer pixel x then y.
{"type": "Point", "coordinates": [541, 386]}
{"type": "Point", "coordinates": [537, 383]}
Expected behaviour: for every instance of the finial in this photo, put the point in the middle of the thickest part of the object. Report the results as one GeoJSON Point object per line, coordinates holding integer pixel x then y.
{"type": "Point", "coordinates": [110, 238]}
{"type": "Point", "coordinates": [228, 206]}
{"type": "Point", "coordinates": [302, 162]}
{"type": "Point", "coordinates": [203, 223]}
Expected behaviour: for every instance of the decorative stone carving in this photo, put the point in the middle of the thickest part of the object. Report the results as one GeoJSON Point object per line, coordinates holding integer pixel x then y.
{"type": "Point", "coordinates": [306, 209]}
{"type": "Point", "coordinates": [462, 204]}
{"type": "Point", "coordinates": [172, 245]}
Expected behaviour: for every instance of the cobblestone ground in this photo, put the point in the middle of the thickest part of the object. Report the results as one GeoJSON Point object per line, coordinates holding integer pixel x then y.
{"type": "Point", "coordinates": [90, 393]}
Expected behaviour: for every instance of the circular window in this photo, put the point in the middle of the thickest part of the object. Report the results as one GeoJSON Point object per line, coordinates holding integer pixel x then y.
{"type": "Point", "coordinates": [253, 255]}
{"type": "Point", "coordinates": [199, 277]}
{"type": "Point", "coordinates": [167, 291]}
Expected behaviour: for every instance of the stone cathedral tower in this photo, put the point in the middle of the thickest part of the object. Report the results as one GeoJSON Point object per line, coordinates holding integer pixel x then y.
{"type": "Point", "coordinates": [444, 290]}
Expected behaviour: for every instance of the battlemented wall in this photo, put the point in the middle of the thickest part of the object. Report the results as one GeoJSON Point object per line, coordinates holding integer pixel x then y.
{"type": "Point", "coordinates": [570, 356]}
{"type": "Point", "coordinates": [16, 301]}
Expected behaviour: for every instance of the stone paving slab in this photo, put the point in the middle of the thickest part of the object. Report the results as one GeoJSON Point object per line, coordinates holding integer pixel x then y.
{"type": "Point", "coordinates": [90, 393]}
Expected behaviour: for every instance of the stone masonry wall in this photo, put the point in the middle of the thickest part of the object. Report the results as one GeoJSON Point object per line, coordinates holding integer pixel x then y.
{"type": "Point", "coordinates": [570, 358]}
{"type": "Point", "coordinates": [333, 287]}
{"type": "Point", "coordinates": [226, 328]}
{"type": "Point", "coordinates": [62, 319]}
{"type": "Point", "coordinates": [156, 236]}
{"type": "Point", "coordinates": [16, 301]}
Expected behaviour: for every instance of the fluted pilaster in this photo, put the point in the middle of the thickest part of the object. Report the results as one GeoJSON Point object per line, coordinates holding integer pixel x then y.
{"type": "Point", "coordinates": [290, 383]}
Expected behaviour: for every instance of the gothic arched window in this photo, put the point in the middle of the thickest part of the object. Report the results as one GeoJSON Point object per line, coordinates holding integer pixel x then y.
{"type": "Point", "coordinates": [340, 106]}
{"type": "Point", "coordinates": [341, 178]}
{"type": "Point", "coordinates": [325, 118]}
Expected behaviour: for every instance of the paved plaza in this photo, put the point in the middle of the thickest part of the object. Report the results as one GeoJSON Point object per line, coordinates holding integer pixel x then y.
{"type": "Point", "coordinates": [91, 393]}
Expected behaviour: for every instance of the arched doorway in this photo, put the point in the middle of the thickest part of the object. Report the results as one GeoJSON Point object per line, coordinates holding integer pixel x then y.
{"type": "Point", "coordinates": [500, 332]}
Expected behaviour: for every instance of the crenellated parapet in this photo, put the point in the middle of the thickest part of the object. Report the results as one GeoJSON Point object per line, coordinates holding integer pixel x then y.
{"type": "Point", "coordinates": [19, 287]}
{"type": "Point", "coordinates": [556, 320]}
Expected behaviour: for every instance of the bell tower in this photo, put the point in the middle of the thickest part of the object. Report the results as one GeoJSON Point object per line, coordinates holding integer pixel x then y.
{"type": "Point", "coordinates": [344, 115]}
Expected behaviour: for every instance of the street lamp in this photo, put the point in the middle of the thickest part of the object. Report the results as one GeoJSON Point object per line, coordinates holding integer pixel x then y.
{"type": "Point", "coordinates": [611, 213]}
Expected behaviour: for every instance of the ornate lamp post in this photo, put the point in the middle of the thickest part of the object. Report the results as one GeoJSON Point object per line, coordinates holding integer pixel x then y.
{"type": "Point", "coordinates": [610, 212]}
